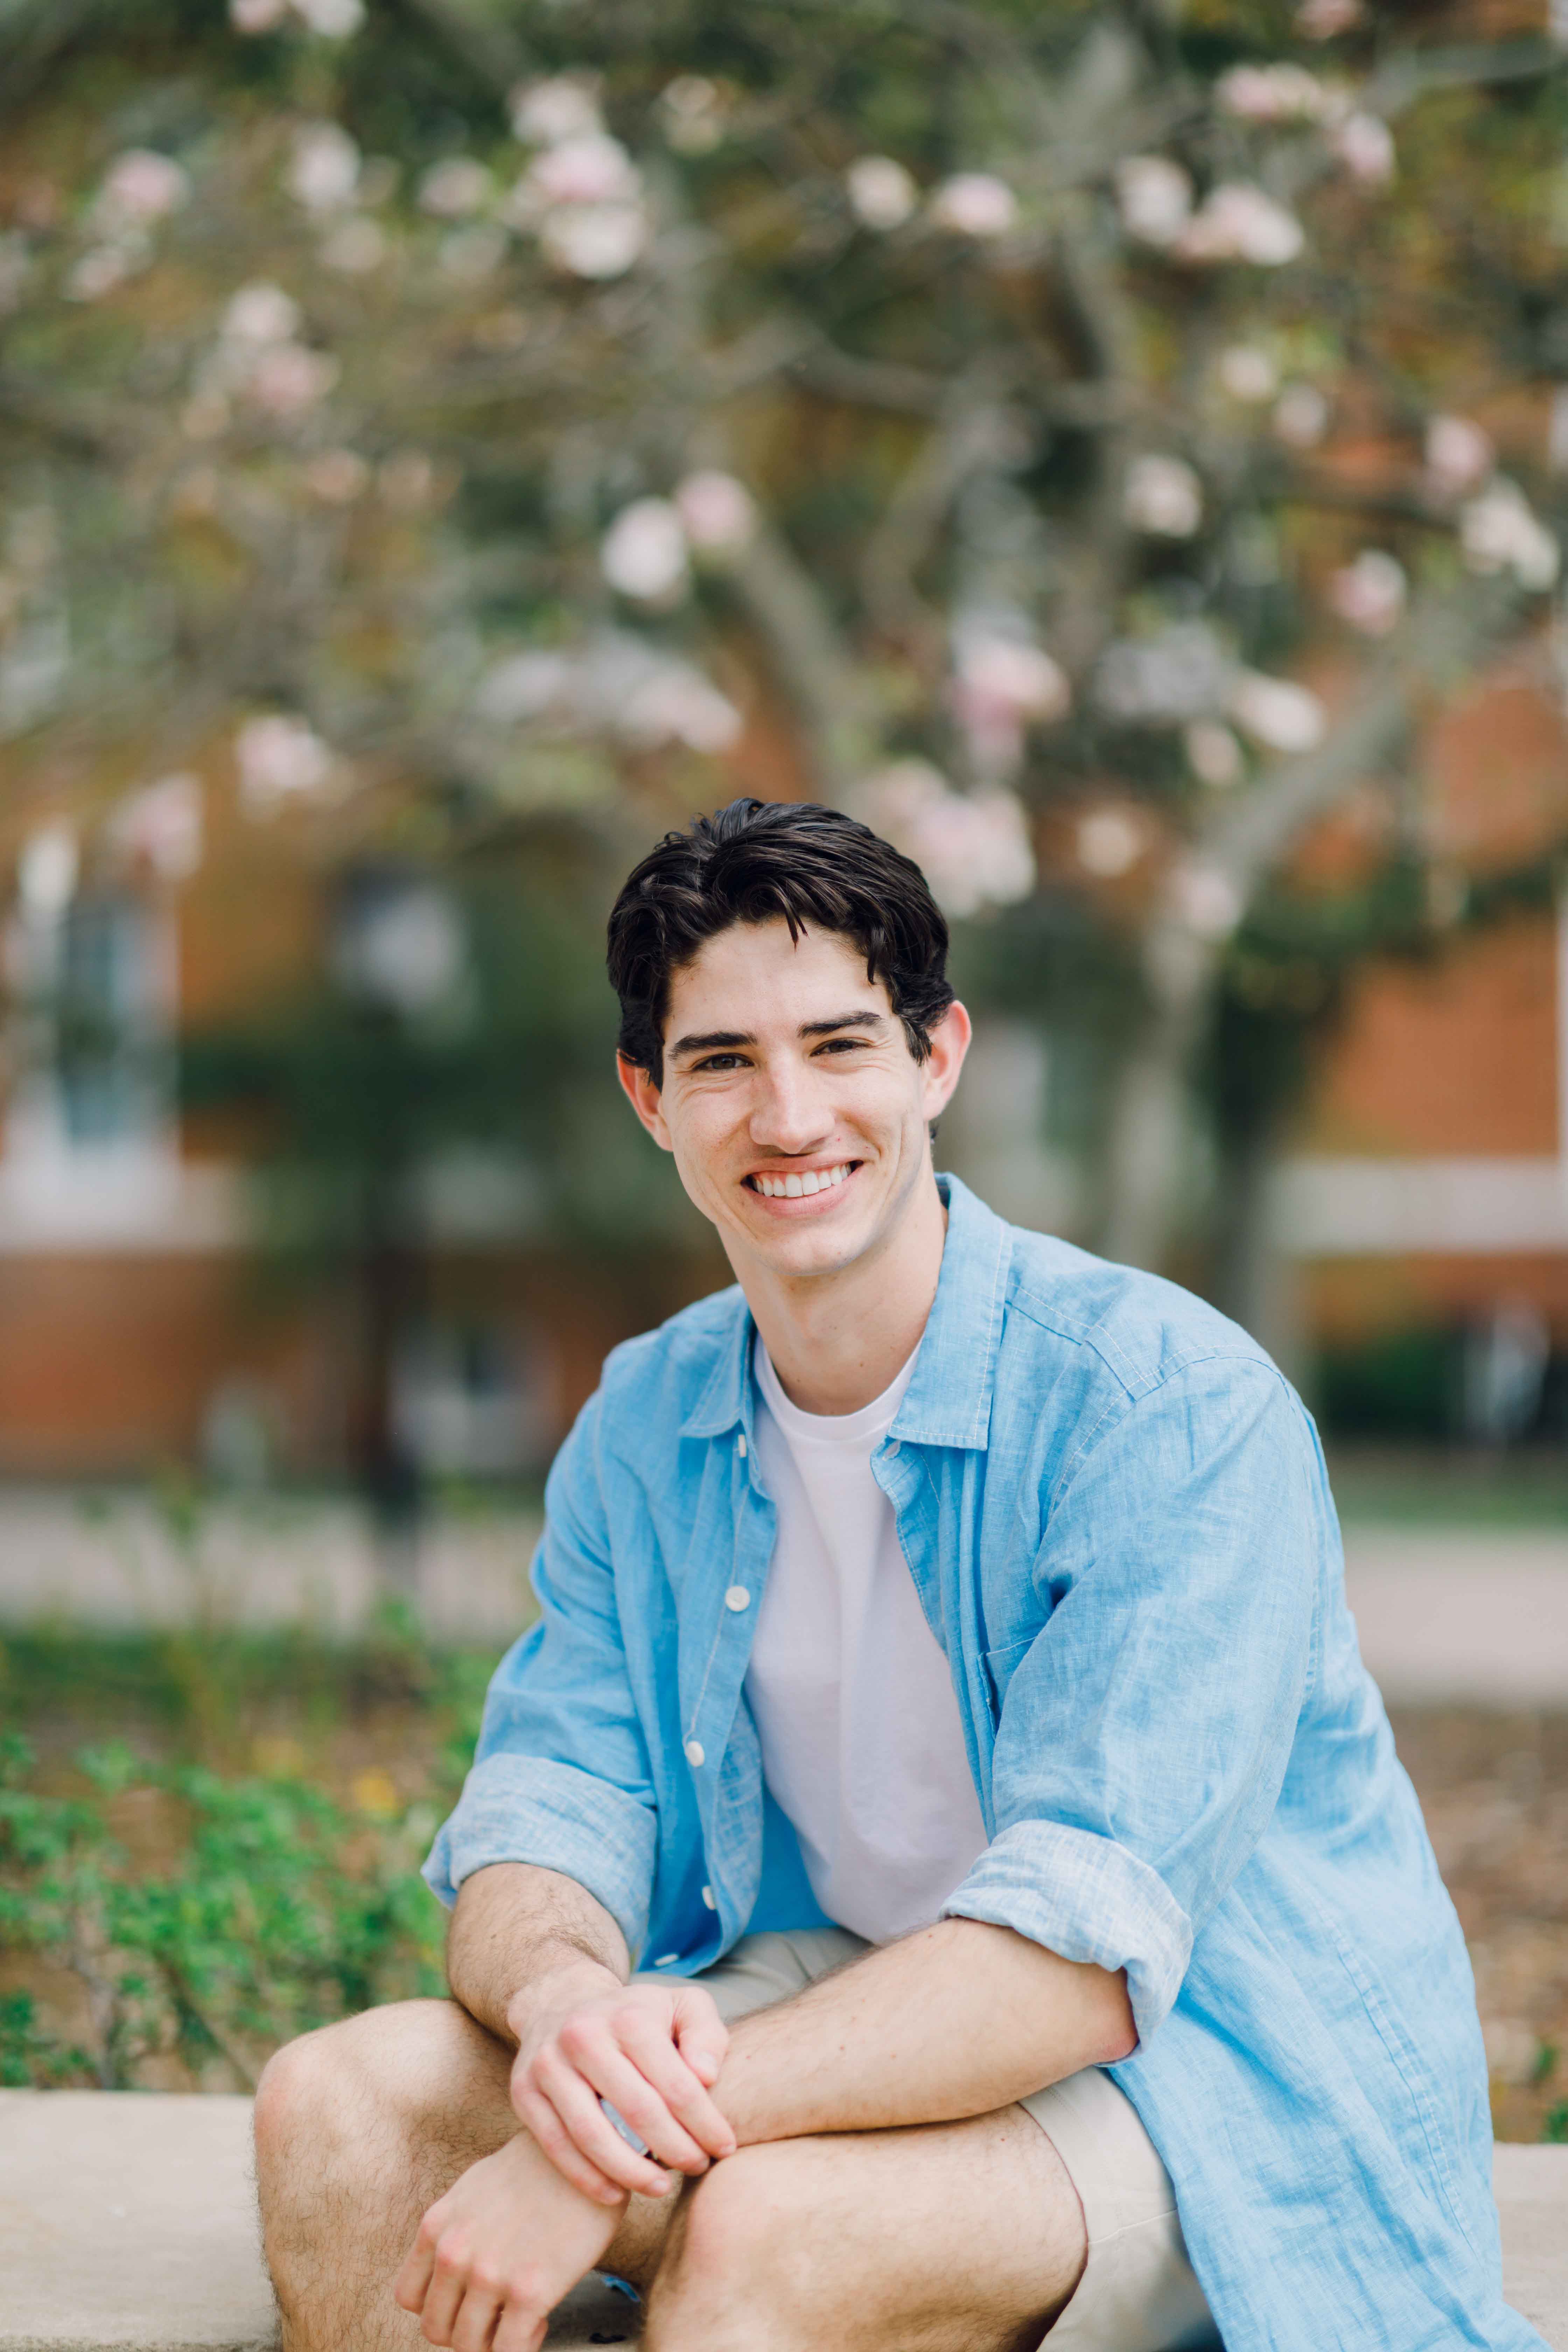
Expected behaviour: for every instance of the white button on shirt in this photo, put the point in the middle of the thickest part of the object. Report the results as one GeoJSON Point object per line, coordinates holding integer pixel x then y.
{"type": "Point", "coordinates": [737, 1598]}
{"type": "Point", "coordinates": [696, 1753]}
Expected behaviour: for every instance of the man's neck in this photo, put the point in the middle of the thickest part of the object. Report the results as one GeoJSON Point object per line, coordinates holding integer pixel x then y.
{"type": "Point", "coordinates": [836, 1341]}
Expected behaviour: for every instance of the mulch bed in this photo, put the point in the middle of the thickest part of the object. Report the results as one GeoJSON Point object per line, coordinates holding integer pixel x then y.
{"type": "Point", "coordinates": [1494, 1788]}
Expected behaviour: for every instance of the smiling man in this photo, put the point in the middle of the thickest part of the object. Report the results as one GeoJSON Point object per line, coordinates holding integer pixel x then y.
{"type": "Point", "coordinates": [936, 1874]}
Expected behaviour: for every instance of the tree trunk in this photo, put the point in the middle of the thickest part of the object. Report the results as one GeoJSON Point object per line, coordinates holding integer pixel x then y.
{"type": "Point", "coordinates": [1149, 1114]}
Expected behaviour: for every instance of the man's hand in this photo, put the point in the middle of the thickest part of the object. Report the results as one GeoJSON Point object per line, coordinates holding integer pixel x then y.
{"type": "Point", "coordinates": [653, 2050]}
{"type": "Point", "coordinates": [499, 2249]}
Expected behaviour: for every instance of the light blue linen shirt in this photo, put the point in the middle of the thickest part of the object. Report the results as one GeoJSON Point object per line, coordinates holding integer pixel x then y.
{"type": "Point", "coordinates": [1118, 1520]}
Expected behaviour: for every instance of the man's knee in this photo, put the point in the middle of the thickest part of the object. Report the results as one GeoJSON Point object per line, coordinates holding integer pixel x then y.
{"type": "Point", "coordinates": [740, 2254]}
{"type": "Point", "coordinates": [360, 2085]}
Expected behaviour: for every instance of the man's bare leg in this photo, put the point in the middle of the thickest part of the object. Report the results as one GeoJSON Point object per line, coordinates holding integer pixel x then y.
{"type": "Point", "coordinates": [966, 2237]}
{"type": "Point", "coordinates": [359, 2129]}
{"type": "Point", "coordinates": [963, 2237]}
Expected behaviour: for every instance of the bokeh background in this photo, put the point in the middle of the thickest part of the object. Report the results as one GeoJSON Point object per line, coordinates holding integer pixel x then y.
{"type": "Point", "coordinates": [1119, 450]}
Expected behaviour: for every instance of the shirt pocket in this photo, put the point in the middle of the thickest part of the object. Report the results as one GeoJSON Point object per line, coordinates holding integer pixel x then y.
{"type": "Point", "coordinates": [1000, 1665]}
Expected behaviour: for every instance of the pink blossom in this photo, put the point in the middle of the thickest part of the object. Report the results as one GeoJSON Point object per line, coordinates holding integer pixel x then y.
{"type": "Point", "coordinates": [279, 757]}
{"type": "Point", "coordinates": [324, 170]}
{"type": "Point", "coordinates": [675, 704]}
{"type": "Point", "coordinates": [594, 241]}
{"type": "Point", "coordinates": [1213, 754]}
{"type": "Point", "coordinates": [1275, 93]}
{"type": "Point", "coordinates": [718, 513]}
{"type": "Point", "coordinates": [1237, 221]}
{"type": "Point", "coordinates": [335, 20]}
{"type": "Point", "coordinates": [1247, 373]}
{"type": "Point", "coordinates": [1109, 843]}
{"type": "Point", "coordinates": [260, 314]}
{"type": "Point", "coordinates": [593, 170]}
{"type": "Point", "coordinates": [1203, 896]}
{"type": "Point", "coordinates": [290, 378]}
{"type": "Point", "coordinates": [1320, 20]}
{"type": "Point", "coordinates": [140, 187]}
{"type": "Point", "coordinates": [1498, 532]}
{"type": "Point", "coordinates": [1155, 197]}
{"type": "Point", "coordinates": [1276, 712]}
{"type": "Point", "coordinates": [643, 554]}
{"type": "Point", "coordinates": [1365, 146]}
{"type": "Point", "coordinates": [882, 194]}
{"type": "Point", "coordinates": [1370, 594]}
{"type": "Point", "coordinates": [1163, 496]}
{"type": "Point", "coordinates": [546, 113]}
{"type": "Point", "coordinates": [974, 204]}
{"type": "Point", "coordinates": [974, 849]}
{"type": "Point", "coordinates": [1458, 454]}
{"type": "Point", "coordinates": [163, 824]}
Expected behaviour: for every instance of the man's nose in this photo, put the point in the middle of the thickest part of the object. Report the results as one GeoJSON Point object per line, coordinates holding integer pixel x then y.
{"type": "Point", "coordinates": [792, 1114]}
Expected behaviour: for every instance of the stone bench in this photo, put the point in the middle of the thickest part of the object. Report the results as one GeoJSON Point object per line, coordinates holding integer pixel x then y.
{"type": "Point", "coordinates": [128, 2224]}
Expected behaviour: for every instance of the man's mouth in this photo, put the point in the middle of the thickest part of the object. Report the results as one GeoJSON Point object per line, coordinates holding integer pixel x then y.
{"type": "Point", "coordinates": [800, 1183]}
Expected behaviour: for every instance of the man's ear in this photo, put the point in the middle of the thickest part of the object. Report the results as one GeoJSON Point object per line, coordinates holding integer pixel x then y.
{"type": "Point", "coordinates": [950, 1039]}
{"type": "Point", "coordinates": [645, 1099]}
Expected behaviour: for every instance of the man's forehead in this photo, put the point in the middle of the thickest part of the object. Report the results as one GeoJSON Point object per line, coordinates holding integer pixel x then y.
{"type": "Point", "coordinates": [760, 964]}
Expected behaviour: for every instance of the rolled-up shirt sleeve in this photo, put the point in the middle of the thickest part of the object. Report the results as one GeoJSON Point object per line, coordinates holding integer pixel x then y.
{"type": "Point", "coordinates": [561, 1775]}
{"type": "Point", "coordinates": [1145, 1729]}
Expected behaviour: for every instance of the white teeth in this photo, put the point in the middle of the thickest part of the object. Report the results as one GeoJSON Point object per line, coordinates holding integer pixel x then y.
{"type": "Point", "coordinates": [801, 1187]}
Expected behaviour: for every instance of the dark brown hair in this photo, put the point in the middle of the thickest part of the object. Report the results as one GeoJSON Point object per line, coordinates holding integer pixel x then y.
{"type": "Point", "coordinates": [764, 861]}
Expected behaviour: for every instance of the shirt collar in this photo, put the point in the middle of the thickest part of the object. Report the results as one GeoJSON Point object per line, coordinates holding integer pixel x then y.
{"type": "Point", "coordinates": [948, 1401]}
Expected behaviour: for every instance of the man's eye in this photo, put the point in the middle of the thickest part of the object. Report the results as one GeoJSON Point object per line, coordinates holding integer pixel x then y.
{"type": "Point", "coordinates": [843, 1045]}
{"type": "Point", "coordinates": [719, 1062]}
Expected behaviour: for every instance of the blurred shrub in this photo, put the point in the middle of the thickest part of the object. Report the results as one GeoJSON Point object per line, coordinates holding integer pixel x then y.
{"type": "Point", "coordinates": [169, 1922]}
{"type": "Point", "coordinates": [1404, 1385]}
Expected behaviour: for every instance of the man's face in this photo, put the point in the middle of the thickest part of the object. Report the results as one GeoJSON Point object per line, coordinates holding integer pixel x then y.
{"type": "Point", "coordinates": [796, 1113]}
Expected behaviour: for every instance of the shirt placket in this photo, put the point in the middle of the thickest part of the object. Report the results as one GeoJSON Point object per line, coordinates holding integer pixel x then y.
{"type": "Point", "coordinates": [727, 1772]}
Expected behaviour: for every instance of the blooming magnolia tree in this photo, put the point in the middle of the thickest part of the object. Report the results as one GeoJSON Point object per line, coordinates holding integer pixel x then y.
{"type": "Point", "coordinates": [1081, 439]}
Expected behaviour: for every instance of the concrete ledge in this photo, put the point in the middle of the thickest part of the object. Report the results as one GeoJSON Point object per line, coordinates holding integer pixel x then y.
{"type": "Point", "coordinates": [128, 2224]}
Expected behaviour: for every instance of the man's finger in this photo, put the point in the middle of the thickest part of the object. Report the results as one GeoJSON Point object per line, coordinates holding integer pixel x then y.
{"type": "Point", "coordinates": [480, 2309]}
{"type": "Point", "coordinates": [413, 2281]}
{"type": "Point", "coordinates": [518, 2330]}
{"type": "Point", "coordinates": [534, 2111]}
{"type": "Point", "coordinates": [578, 2104]}
{"type": "Point", "coordinates": [639, 2103]}
{"type": "Point", "coordinates": [701, 2035]}
{"type": "Point", "coordinates": [447, 2284]}
{"type": "Point", "coordinates": [682, 2091]}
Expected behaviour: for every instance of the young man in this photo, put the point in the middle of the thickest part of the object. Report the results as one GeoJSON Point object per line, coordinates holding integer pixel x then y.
{"type": "Point", "coordinates": [943, 1696]}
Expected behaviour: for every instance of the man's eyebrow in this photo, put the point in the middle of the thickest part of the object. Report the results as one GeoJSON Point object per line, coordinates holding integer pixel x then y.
{"type": "Point", "coordinates": [717, 1041]}
{"type": "Point", "coordinates": [867, 1018]}
{"type": "Point", "coordinates": [710, 1041]}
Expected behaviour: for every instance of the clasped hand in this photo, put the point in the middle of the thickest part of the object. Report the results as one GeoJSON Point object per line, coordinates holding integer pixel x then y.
{"type": "Point", "coordinates": [654, 2052]}
{"type": "Point", "coordinates": [514, 2234]}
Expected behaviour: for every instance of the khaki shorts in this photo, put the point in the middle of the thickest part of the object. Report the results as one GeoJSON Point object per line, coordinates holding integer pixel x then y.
{"type": "Point", "coordinates": [1137, 2293]}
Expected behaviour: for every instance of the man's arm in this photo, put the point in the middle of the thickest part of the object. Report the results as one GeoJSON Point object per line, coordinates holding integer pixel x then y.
{"type": "Point", "coordinates": [958, 2020]}
{"type": "Point", "coordinates": [517, 1933]}
{"type": "Point", "coordinates": [540, 1963]}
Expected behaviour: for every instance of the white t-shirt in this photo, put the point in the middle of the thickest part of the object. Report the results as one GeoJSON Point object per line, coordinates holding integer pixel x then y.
{"type": "Point", "coordinates": [862, 1743]}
